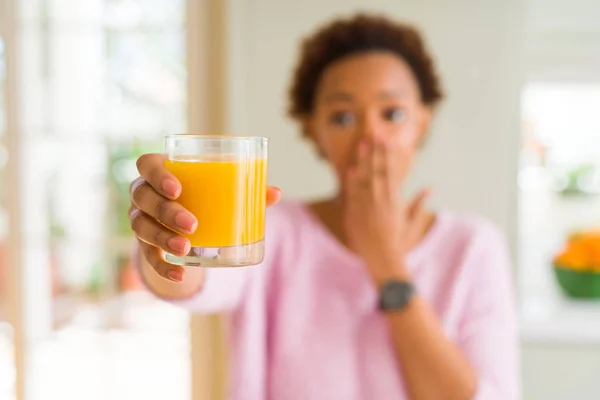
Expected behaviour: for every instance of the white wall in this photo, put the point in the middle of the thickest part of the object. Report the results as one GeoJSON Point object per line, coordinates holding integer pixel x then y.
{"type": "Point", "coordinates": [554, 371]}
{"type": "Point", "coordinates": [471, 157]}
{"type": "Point", "coordinates": [563, 40]}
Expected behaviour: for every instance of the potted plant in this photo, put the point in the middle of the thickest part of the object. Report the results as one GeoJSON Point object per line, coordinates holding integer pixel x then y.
{"type": "Point", "coordinates": [577, 266]}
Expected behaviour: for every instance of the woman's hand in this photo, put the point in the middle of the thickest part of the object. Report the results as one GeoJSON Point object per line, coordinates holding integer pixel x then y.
{"type": "Point", "coordinates": [380, 226]}
{"type": "Point", "coordinates": [155, 214]}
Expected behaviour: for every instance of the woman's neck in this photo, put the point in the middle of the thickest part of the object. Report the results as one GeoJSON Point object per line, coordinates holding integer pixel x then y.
{"type": "Point", "coordinates": [329, 213]}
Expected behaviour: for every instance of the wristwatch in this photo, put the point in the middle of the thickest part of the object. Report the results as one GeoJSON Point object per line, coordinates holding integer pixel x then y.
{"type": "Point", "coordinates": [395, 295]}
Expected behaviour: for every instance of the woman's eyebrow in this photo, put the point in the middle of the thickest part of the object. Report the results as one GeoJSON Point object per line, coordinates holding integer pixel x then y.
{"type": "Point", "coordinates": [338, 96]}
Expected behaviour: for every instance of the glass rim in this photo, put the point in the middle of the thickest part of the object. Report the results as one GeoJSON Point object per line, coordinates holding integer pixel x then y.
{"type": "Point", "coordinates": [216, 137]}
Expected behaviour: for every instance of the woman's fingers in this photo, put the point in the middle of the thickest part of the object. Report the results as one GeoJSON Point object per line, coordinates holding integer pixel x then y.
{"type": "Point", "coordinates": [364, 166]}
{"type": "Point", "coordinates": [417, 204]}
{"type": "Point", "coordinates": [167, 212]}
{"type": "Point", "coordinates": [383, 184]}
{"type": "Point", "coordinates": [154, 257]}
{"type": "Point", "coordinates": [153, 193]}
{"type": "Point", "coordinates": [418, 217]}
{"type": "Point", "coordinates": [155, 234]}
{"type": "Point", "coordinates": [273, 195]}
{"type": "Point", "coordinates": [401, 155]}
{"type": "Point", "coordinates": [357, 175]}
{"type": "Point", "coordinates": [152, 169]}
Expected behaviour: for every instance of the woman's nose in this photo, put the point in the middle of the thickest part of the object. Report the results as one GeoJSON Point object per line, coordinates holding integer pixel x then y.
{"type": "Point", "coordinates": [371, 129]}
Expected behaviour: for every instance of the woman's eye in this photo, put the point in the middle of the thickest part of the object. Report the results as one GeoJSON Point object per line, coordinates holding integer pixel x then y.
{"type": "Point", "coordinates": [342, 118]}
{"type": "Point", "coordinates": [394, 114]}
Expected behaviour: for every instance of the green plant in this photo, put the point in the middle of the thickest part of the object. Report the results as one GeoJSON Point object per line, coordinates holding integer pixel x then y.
{"type": "Point", "coordinates": [121, 171]}
{"type": "Point", "coordinates": [574, 178]}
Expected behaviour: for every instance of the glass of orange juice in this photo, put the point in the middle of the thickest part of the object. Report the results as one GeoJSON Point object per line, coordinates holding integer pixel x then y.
{"type": "Point", "coordinates": [224, 184]}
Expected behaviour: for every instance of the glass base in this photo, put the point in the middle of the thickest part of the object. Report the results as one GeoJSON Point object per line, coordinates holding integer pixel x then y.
{"type": "Point", "coordinates": [221, 257]}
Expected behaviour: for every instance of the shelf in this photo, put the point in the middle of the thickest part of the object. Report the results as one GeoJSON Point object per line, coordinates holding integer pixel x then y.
{"type": "Point", "coordinates": [555, 319]}
{"type": "Point", "coordinates": [545, 314]}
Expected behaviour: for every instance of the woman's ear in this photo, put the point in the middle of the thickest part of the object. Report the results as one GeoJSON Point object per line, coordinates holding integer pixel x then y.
{"type": "Point", "coordinates": [307, 124]}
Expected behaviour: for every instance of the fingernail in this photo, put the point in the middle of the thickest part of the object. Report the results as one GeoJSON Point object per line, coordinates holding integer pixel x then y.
{"type": "Point", "coordinates": [186, 221]}
{"type": "Point", "coordinates": [171, 188]}
{"type": "Point", "coordinates": [179, 244]}
{"type": "Point", "coordinates": [175, 275]}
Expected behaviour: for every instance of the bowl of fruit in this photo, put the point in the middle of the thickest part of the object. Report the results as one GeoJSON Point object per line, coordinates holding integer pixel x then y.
{"type": "Point", "coordinates": [577, 266]}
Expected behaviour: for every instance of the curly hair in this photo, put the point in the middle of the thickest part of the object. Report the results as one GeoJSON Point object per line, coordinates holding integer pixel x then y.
{"type": "Point", "coordinates": [359, 34]}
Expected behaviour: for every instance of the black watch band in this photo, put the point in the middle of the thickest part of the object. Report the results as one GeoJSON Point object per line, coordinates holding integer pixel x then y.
{"type": "Point", "coordinates": [395, 295]}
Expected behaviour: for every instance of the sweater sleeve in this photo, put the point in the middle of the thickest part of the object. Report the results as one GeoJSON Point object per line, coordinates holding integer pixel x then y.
{"type": "Point", "coordinates": [224, 288]}
{"type": "Point", "coordinates": [488, 332]}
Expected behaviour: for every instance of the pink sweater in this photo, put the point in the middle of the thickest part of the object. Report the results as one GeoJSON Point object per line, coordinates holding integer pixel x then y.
{"type": "Point", "coordinates": [304, 324]}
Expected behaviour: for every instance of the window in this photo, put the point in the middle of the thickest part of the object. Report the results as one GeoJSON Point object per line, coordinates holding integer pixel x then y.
{"type": "Point", "coordinates": [100, 82]}
{"type": "Point", "coordinates": [559, 193]}
{"type": "Point", "coordinates": [7, 369]}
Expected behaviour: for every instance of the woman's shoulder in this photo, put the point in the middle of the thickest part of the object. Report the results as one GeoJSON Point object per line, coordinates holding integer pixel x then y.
{"type": "Point", "coordinates": [286, 212]}
{"type": "Point", "coordinates": [287, 219]}
{"type": "Point", "coordinates": [289, 229]}
{"type": "Point", "coordinates": [465, 247]}
{"type": "Point", "coordinates": [467, 228]}
{"type": "Point", "coordinates": [459, 237]}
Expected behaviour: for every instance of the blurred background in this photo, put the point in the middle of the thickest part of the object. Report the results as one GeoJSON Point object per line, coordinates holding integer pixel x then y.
{"type": "Point", "coordinates": [89, 85]}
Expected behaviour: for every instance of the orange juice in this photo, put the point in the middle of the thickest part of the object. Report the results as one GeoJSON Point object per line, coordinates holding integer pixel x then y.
{"type": "Point", "coordinates": [227, 196]}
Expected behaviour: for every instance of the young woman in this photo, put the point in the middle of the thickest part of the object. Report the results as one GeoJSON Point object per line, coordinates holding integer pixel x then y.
{"type": "Point", "coordinates": [364, 295]}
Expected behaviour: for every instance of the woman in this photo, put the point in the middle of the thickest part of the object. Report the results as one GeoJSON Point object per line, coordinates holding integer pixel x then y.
{"type": "Point", "coordinates": [364, 295]}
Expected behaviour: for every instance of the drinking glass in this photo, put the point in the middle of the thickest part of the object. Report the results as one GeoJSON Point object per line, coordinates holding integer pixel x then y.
{"type": "Point", "coordinates": [224, 184]}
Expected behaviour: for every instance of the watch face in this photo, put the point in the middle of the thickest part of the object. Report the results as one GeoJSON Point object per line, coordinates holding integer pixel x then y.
{"type": "Point", "coordinates": [395, 295]}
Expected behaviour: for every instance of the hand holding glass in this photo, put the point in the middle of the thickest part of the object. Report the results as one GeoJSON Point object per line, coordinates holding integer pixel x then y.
{"type": "Point", "coordinates": [224, 184]}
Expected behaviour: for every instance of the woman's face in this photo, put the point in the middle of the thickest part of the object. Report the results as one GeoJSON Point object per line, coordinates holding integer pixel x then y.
{"type": "Point", "coordinates": [368, 96]}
